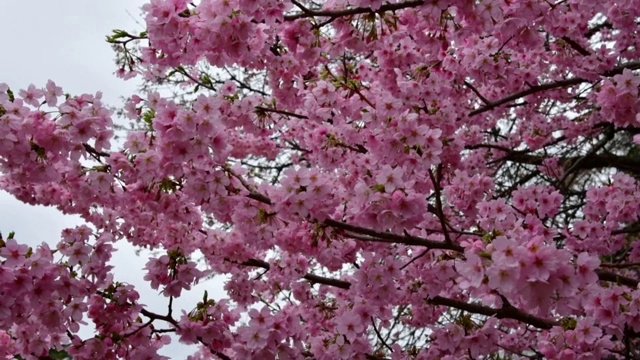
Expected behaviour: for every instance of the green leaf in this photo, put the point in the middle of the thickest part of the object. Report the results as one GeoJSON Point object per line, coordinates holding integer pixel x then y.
{"type": "Point", "coordinates": [117, 34]}
{"type": "Point", "coordinates": [568, 323]}
{"type": "Point", "coordinates": [58, 354]}
{"type": "Point", "coordinates": [39, 150]}
{"type": "Point", "coordinates": [378, 188]}
{"type": "Point", "coordinates": [206, 80]}
{"type": "Point", "coordinates": [148, 116]}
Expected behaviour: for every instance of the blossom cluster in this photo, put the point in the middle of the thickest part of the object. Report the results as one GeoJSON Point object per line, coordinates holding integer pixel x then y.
{"type": "Point", "coordinates": [375, 179]}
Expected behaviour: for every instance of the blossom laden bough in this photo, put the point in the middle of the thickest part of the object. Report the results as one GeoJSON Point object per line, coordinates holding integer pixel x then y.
{"type": "Point", "coordinates": [377, 179]}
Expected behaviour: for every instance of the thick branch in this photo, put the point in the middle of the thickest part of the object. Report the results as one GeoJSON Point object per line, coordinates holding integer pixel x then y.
{"type": "Point", "coordinates": [506, 312]}
{"type": "Point", "coordinates": [604, 275]}
{"type": "Point", "coordinates": [153, 316]}
{"type": "Point", "coordinates": [374, 236]}
{"type": "Point", "coordinates": [95, 153]}
{"type": "Point", "coordinates": [387, 237]}
{"type": "Point", "coordinates": [392, 238]}
{"type": "Point", "coordinates": [622, 163]}
{"type": "Point", "coordinates": [577, 47]}
{"type": "Point", "coordinates": [633, 65]}
{"type": "Point", "coordinates": [307, 13]}
{"type": "Point", "coordinates": [315, 279]}
{"type": "Point", "coordinates": [529, 91]}
{"type": "Point", "coordinates": [592, 152]}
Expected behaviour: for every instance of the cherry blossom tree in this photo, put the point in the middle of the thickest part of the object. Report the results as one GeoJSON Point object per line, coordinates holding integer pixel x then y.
{"type": "Point", "coordinates": [377, 179]}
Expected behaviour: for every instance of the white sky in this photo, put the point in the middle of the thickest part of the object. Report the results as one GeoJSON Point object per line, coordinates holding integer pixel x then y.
{"type": "Point", "coordinates": [64, 40]}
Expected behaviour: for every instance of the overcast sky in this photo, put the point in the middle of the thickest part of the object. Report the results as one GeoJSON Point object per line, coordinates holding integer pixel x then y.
{"type": "Point", "coordinates": [64, 40]}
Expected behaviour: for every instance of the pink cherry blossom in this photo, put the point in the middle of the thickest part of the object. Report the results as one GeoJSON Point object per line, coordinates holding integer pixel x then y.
{"type": "Point", "coordinates": [370, 179]}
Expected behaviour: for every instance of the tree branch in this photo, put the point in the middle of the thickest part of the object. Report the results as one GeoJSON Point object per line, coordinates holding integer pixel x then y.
{"type": "Point", "coordinates": [604, 275]}
{"type": "Point", "coordinates": [633, 65]}
{"type": "Point", "coordinates": [529, 91]}
{"type": "Point", "coordinates": [308, 13]}
{"type": "Point", "coordinates": [622, 163]}
{"type": "Point", "coordinates": [391, 237]}
{"type": "Point", "coordinates": [439, 209]}
{"type": "Point", "coordinates": [281, 112]}
{"type": "Point", "coordinates": [371, 235]}
{"type": "Point", "coordinates": [577, 47]}
{"type": "Point", "coordinates": [506, 312]}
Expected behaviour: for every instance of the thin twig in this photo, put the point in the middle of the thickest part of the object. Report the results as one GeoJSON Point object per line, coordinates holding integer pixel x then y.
{"type": "Point", "coordinates": [484, 99]}
{"type": "Point", "coordinates": [375, 329]}
{"type": "Point", "coordinates": [439, 209]}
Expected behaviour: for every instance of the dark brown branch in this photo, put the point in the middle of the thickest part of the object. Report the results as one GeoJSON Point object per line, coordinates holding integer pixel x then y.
{"type": "Point", "coordinates": [183, 72]}
{"type": "Point", "coordinates": [622, 163]}
{"type": "Point", "coordinates": [281, 112]}
{"type": "Point", "coordinates": [374, 236]}
{"type": "Point", "coordinates": [575, 46]}
{"type": "Point", "coordinates": [314, 279]}
{"type": "Point", "coordinates": [168, 318]}
{"type": "Point", "coordinates": [620, 265]}
{"type": "Point", "coordinates": [375, 329]}
{"type": "Point", "coordinates": [529, 91]}
{"type": "Point", "coordinates": [391, 237]}
{"type": "Point", "coordinates": [259, 197]}
{"type": "Point", "coordinates": [217, 353]}
{"type": "Point", "coordinates": [423, 253]}
{"type": "Point", "coordinates": [592, 152]}
{"type": "Point", "coordinates": [630, 229]}
{"type": "Point", "coordinates": [475, 91]}
{"type": "Point", "coordinates": [355, 148]}
{"type": "Point", "coordinates": [243, 85]}
{"type": "Point", "coordinates": [439, 209]}
{"type": "Point", "coordinates": [153, 316]}
{"type": "Point", "coordinates": [387, 237]}
{"type": "Point", "coordinates": [604, 275]}
{"type": "Point", "coordinates": [257, 263]}
{"type": "Point", "coordinates": [95, 153]}
{"type": "Point", "coordinates": [267, 167]}
{"type": "Point", "coordinates": [308, 13]}
{"type": "Point", "coordinates": [505, 312]}
{"type": "Point", "coordinates": [302, 7]}
{"type": "Point", "coordinates": [597, 28]}
{"type": "Point", "coordinates": [633, 65]}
